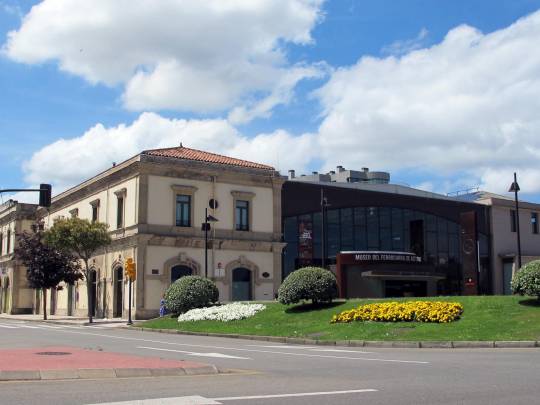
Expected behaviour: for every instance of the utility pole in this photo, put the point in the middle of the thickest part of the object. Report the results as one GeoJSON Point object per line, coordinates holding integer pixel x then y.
{"type": "Point", "coordinates": [514, 187]}
{"type": "Point", "coordinates": [324, 204]}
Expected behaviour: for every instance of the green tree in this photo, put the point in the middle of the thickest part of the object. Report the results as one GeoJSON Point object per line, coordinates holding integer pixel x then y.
{"type": "Point", "coordinates": [46, 266]}
{"type": "Point", "coordinates": [83, 239]}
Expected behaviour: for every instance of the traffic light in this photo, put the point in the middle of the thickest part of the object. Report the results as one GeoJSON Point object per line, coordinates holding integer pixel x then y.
{"type": "Point", "coordinates": [129, 269]}
{"type": "Point", "coordinates": [45, 195]}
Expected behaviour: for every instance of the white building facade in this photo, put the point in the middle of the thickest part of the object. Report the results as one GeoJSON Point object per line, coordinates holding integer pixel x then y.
{"type": "Point", "coordinates": [155, 204]}
{"type": "Point", "coordinates": [15, 295]}
{"type": "Point", "coordinates": [503, 224]}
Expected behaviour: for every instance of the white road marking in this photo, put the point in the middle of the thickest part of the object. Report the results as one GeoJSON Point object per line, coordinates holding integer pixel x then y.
{"type": "Point", "coordinates": [29, 327]}
{"type": "Point", "coordinates": [312, 349]}
{"type": "Point", "coordinates": [245, 350]}
{"type": "Point", "coordinates": [219, 355]}
{"type": "Point", "coordinates": [340, 351]}
{"type": "Point", "coordinates": [300, 394]}
{"type": "Point", "coordinates": [198, 400]}
{"type": "Point", "coordinates": [49, 326]}
{"type": "Point", "coordinates": [283, 346]}
{"type": "Point", "coordinates": [191, 400]}
{"type": "Point", "coordinates": [8, 326]}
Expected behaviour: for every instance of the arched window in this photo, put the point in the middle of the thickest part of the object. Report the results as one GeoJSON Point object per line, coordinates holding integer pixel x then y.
{"type": "Point", "coordinates": [180, 271]}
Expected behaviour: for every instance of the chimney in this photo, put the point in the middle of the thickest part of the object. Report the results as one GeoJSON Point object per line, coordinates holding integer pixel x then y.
{"type": "Point", "coordinates": [332, 172]}
{"type": "Point", "coordinates": [340, 169]}
{"type": "Point", "coordinates": [113, 164]}
{"type": "Point", "coordinates": [314, 172]}
{"type": "Point", "coordinates": [291, 174]}
{"type": "Point", "coordinates": [365, 169]}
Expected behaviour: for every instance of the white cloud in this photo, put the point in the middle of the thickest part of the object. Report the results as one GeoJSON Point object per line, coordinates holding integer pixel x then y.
{"type": "Point", "coordinates": [282, 93]}
{"type": "Point", "coordinates": [187, 55]}
{"type": "Point", "coordinates": [466, 105]}
{"type": "Point", "coordinates": [402, 47]}
{"type": "Point", "coordinates": [67, 162]}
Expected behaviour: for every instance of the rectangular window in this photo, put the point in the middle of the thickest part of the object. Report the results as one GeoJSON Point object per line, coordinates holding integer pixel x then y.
{"type": "Point", "coordinates": [513, 223]}
{"type": "Point", "coordinates": [8, 242]}
{"type": "Point", "coordinates": [360, 237]}
{"type": "Point", "coordinates": [372, 222]}
{"type": "Point", "coordinates": [120, 213]}
{"type": "Point", "coordinates": [242, 215]}
{"type": "Point", "coordinates": [183, 210]}
{"type": "Point", "coordinates": [347, 225]}
{"type": "Point", "coordinates": [95, 213]}
{"type": "Point", "coordinates": [1, 244]}
{"type": "Point", "coordinates": [534, 222]}
{"type": "Point", "coordinates": [333, 233]}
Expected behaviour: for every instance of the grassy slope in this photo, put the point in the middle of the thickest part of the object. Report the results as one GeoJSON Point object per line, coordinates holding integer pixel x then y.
{"type": "Point", "coordinates": [484, 318]}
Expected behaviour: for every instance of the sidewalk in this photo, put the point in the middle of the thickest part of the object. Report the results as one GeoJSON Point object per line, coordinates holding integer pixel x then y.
{"type": "Point", "coordinates": [65, 320]}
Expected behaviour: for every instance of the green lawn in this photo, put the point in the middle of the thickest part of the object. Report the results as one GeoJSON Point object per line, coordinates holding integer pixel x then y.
{"type": "Point", "coordinates": [484, 318]}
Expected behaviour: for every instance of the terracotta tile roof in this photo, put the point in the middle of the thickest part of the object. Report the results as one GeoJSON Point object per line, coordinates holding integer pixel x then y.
{"type": "Point", "coordinates": [182, 152]}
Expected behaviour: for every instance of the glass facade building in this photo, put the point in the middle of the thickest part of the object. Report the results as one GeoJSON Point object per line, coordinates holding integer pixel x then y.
{"type": "Point", "coordinates": [409, 225]}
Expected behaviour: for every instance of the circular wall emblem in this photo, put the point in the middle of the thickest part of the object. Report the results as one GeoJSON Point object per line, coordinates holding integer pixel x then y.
{"type": "Point", "coordinates": [468, 246]}
{"type": "Point", "coordinates": [213, 203]}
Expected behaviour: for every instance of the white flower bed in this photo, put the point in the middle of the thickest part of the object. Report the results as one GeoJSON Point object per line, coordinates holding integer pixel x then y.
{"type": "Point", "coordinates": [224, 313]}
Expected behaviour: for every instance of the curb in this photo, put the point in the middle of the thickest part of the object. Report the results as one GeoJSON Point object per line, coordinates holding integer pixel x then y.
{"type": "Point", "coordinates": [67, 322]}
{"type": "Point", "coordinates": [95, 373]}
{"type": "Point", "coordinates": [457, 344]}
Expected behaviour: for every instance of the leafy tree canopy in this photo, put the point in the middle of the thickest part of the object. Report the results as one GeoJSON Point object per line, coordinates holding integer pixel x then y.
{"type": "Point", "coordinates": [79, 236]}
{"type": "Point", "coordinates": [46, 266]}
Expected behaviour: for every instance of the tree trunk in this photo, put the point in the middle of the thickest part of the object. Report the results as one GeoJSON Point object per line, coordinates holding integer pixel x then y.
{"type": "Point", "coordinates": [44, 304]}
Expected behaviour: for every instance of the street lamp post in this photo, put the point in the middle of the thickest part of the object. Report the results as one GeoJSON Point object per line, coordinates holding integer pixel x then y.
{"type": "Point", "coordinates": [324, 205]}
{"type": "Point", "coordinates": [206, 227]}
{"type": "Point", "coordinates": [514, 187]}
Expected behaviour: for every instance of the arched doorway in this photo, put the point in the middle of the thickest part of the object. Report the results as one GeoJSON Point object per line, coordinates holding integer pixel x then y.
{"type": "Point", "coordinates": [241, 284]}
{"type": "Point", "coordinates": [118, 292]}
{"type": "Point", "coordinates": [180, 271]}
{"type": "Point", "coordinates": [93, 291]}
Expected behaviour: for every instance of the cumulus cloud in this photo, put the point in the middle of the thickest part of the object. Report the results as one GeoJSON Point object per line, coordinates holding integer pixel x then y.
{"type": "Point", "coordinates": [67, 162]}
{"type": "Point", "coordinates": [186, 55]}
{"type": "Point", "coordinates": [466, 105]}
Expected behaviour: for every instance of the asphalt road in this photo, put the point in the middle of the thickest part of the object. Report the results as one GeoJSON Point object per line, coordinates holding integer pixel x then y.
{"type": "Point", "coordinates": [272, 373]}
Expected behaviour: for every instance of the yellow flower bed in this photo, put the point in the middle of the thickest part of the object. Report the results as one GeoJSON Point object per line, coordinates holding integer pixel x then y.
{"type": "Point", "coordinates": [419, 311]}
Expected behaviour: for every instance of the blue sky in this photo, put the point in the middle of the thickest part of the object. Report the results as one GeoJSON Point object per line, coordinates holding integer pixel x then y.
{"type": "Point", "coordinates": [379, 83]}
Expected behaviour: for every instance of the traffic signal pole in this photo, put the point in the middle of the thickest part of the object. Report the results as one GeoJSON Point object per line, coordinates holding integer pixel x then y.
{"type": "Point", "coordinates": [131, 275]}
{"type": "Point", "coordinates": [44, 191]}
{"type": "Point", "coordinates": [129, 322]}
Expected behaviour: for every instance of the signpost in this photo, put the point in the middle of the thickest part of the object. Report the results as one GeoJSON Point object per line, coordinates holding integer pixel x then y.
{"type": "Point", "coordinates": [129, 270]}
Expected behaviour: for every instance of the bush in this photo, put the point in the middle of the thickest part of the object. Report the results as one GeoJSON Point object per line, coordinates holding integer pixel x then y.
{"type": "Point", "coordinates": [190, 292]}
{"type": "Point", "coordinates": [527, 280]}
{"type": "Point", "coordinates": [309, 283]}
{"type": "Point", "coordinates": [419, 311]}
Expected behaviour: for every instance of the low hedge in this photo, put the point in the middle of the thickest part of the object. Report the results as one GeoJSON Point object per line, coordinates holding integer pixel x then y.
{"type": "Point", "coordinates": [309, 283]}
{"type": "Point", "coordinates": [527, 280]}
{"type": "Point", "coordinates": [190, 292]}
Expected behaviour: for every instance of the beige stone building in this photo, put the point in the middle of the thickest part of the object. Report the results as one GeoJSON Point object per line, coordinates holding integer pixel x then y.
{"type": "Point", "coordinates": [155, 204]}
{"type": "Point", "coordinates": [15, 296]}
{"type": "Point", "coordinates": [503, 226]}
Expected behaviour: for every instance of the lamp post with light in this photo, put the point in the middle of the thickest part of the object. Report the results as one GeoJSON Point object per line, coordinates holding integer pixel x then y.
{"type": "Point", "coordinates": [206, 227]}
{"type": "Point", "coordinates": [514, 187]}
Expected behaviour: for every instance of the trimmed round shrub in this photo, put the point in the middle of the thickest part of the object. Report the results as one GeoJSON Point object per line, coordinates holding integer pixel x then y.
{"type": "Point", "coordinates": [309, 283]}
{"type": "Point", "coordinates": [527, 280]}
{"type": "Point", "coordinates": [190, 292]}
